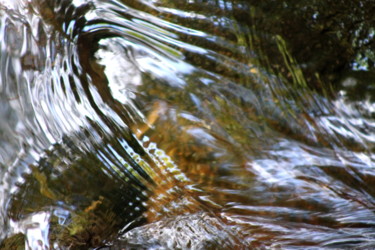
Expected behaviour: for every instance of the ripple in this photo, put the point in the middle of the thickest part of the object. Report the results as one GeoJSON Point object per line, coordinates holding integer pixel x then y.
{"type": "Point", "coordinates": [162, 124]}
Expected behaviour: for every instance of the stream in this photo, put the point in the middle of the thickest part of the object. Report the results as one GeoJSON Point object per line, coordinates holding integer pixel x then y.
{"type": "Point", "coordinates": [187, 124]}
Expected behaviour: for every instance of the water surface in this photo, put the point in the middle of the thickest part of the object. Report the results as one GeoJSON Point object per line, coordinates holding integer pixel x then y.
{"type": "Point", "coordinates": [186, 124]}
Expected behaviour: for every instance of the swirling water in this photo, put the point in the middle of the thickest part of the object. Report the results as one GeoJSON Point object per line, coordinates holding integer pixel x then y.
{"type": "Point", "coordinates": [157, 124]}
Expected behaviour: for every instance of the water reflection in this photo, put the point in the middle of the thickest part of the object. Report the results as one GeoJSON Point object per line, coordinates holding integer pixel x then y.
{"type": "Point", "coordinates": [201, 124]}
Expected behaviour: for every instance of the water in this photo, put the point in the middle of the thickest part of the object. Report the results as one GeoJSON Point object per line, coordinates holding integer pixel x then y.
{"type": "Point", "coordinates": [186, 124]}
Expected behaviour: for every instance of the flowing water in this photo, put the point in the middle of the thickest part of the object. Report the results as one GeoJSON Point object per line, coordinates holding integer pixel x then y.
{"type": "Point", "coordinates": [158, 124]}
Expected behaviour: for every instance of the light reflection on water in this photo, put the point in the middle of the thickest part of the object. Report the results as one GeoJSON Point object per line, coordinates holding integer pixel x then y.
{"type": "Point", "coordinates": [163, 121]}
